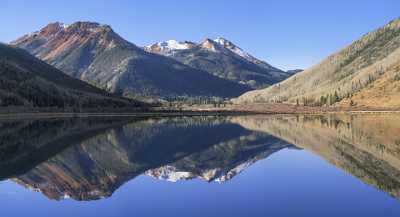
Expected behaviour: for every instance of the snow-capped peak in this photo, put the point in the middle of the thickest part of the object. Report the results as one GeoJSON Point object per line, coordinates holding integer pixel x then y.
{"type": "Point", "coordinates": [209, 44]}
{"type": "Point", "coordinates": [58, 25]}
{"type": "Point", "coordinates": [167, 47]}
{"type": "Point", "coordinates": [222, 41]}
{"type": "Point", "coordinates": [232, 47]}
{"type": "Point", "coordinates": [173, 45]}
{"type": "Point", "coordinates": [65, 26]}
{"type": "Point", "coordinates": [237, 50]}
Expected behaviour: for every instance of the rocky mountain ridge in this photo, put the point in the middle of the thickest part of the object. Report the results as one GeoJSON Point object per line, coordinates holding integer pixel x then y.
{"type": "Point", "coordinates": [96, 54]}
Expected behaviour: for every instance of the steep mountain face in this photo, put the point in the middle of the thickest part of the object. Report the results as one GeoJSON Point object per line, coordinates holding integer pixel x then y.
{"type": "Point", "coordinates": [27, 82]}
{"type": "Point", "coordinates": [96, 54]}
{"type": "Point", "coordinates": [224, 59]}
{"type": "Point", "coordinates": [366, 73]}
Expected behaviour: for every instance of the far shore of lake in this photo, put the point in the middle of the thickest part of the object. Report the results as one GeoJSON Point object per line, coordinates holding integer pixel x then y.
{"type": "Point", "coordinates": [207, 110]}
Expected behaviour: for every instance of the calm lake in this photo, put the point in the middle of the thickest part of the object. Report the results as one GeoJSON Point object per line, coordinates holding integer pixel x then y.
{"type": "Point", "coordinates": [277, 165]}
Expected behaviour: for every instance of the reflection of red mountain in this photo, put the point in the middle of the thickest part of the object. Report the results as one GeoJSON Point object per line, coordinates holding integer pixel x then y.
{"type": "Point", "coordinates": [363, 145]}
{"type": "Point", "coordinates": [99, 165]}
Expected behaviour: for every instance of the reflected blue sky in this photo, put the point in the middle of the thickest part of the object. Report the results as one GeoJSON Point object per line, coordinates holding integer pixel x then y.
{"type": "Point", "coordinates": [288, 183]}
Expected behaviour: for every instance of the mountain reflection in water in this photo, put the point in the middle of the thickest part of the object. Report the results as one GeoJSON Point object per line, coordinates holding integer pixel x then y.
{"type": "Point", "coordinates": [89, 158]}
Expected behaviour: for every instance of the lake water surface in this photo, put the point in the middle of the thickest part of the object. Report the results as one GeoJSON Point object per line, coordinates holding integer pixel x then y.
{"type": "Point", "coordinates": [279, 165]}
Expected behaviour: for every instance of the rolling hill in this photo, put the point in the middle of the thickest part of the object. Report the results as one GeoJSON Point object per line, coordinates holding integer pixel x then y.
{"type": "Point", "coordinates": [366, 73]}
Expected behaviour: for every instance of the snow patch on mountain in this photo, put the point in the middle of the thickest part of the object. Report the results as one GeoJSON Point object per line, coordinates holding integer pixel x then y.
{"type": "Point", "coordinates": [237, 50]}
{"type": "Point", "coordinates": [169, 173]}
{"type": "Point", "coordinates": [229, 45]}
{"type": "Point", "coordinates": [167, 47]}
{"type": "Point", "coordinates": [173, 45]}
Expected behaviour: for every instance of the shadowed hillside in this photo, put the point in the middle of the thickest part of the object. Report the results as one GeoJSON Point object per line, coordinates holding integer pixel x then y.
{"type": "Point", "coordinates": [28, 142]}
{"type": "Point", "coordinates": [30, 83]}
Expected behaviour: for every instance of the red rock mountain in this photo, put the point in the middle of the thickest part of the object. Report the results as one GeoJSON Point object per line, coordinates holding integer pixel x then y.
{"type": "Point", "coordinates": [96, 54]}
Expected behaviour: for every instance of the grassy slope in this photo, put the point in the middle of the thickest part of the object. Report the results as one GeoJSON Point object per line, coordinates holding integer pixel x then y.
{"type": "Point", "coordinates": [365, 71]}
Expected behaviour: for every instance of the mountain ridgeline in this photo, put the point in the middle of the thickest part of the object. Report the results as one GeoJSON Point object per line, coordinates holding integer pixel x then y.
{"type": "Point", "coordinates": [96, 54]}
{"type": "Point", "coordinates": [222, 58]}
{"type": "Point", "coordinates": [27, 82]}
{"type": "Point", "coordinates": [366, 73]}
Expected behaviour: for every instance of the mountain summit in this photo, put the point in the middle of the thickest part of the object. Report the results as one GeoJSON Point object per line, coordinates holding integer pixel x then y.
{"type": "Point", "coordinates": [237, 50]}
{"type": "Point", "coordinates": [72, 48]}
{"type": "Point", "coordinates": [95, 53]}
{"type": "Point", "coordinates": [167, 47]}
{"type": "Point", "coordinates": [222, 58]}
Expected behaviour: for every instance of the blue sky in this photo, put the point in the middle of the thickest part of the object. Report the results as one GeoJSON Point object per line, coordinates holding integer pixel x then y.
{"type": "Point", "coordinates": [287, 34]}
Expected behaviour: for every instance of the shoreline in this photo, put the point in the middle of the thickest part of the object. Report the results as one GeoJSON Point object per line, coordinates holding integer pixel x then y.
{"type": "Point", "coordinates": [262, 108]}
{"type": "Point", "coordinates": [230, 110]}
{"type": "Point", "coordinates": [40, 115]}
